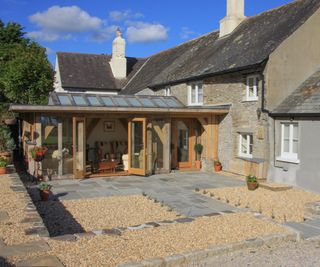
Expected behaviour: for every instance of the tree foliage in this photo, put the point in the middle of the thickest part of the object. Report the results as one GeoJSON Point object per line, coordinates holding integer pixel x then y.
{"type": "Point", "coordinates": [26, 76]}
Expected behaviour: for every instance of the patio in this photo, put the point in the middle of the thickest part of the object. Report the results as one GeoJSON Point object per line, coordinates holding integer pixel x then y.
{"type": "Point", "coordinates": [175, 190]}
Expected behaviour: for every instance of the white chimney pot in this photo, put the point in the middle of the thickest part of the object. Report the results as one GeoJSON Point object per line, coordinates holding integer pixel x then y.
{"type": "Point", "coordinates": [118, 61]}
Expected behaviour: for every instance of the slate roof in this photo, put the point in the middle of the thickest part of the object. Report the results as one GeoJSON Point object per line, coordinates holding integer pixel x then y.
{"type": "Point", "coordinates": [90, 71]}
{"type": "Point", "coordinates": [304, 100]}
{"type": "Point", "coordinates": [250, 44]}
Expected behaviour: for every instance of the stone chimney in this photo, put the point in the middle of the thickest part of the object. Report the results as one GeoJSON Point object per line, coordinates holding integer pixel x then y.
{"type": "Point", "coordinates": [235, 15]}
{"type": "Point", "coordinates": [118, 61]}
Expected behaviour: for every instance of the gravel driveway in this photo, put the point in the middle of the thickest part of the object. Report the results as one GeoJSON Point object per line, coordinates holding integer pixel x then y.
{"type": "Point", "coordinates": [305, 253]}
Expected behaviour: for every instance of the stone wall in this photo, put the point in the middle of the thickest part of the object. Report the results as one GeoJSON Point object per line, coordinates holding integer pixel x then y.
{"type": "Point", "coordinates": [231, 89]}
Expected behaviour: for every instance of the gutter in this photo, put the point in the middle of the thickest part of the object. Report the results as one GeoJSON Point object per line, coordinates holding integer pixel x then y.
{"type": "Point", "coordinates": [275, 114]}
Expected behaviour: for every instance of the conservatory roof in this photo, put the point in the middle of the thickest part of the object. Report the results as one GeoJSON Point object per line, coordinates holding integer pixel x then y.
{"type": "Point", "coordinates": [102, 103]}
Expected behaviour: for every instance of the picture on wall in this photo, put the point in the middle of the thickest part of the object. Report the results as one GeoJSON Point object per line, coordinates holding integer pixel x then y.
{"type": "Point", "coordinates": [109, 126]}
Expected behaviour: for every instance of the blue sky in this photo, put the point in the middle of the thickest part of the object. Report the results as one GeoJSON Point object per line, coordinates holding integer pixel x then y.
{"type": "Point", "coordinates": [149, 26]}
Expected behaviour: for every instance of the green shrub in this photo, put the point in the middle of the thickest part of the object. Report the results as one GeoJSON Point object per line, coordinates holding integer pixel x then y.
{"type": "Point", "coordinates": [3, 162]}
{"type": "Point", "coordinates": [6, 141]}
{"type": "Point", "coordinates": [44, 186]}
{"type": "Point", "coordinates": [251, 179]}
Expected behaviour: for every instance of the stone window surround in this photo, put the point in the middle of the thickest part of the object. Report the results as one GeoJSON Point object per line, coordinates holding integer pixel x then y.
{"type": "Point", "coordinates": [285, 156]}
{"type": "Point", "coordinates": [248, 154]}
{"type": "Point", "coordinates": [197, 85]}
{"type": "Point", "coordinates": [256, 79]}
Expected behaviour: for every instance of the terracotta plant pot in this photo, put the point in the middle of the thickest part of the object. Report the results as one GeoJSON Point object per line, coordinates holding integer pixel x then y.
{"type": "Point", "coordinates": [198, 164]}
{"type": "Point", "coordinates": [252, 185]}
{"type": "Point", "coordinates": [3, 170]}
{"type": "Point", "coordinates": [217, 168]}
{"type": "Point", "coordinates": [44, 194]}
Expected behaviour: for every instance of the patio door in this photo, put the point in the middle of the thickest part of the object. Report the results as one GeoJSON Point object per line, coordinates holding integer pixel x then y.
{"type": "Point", "coordinates": [183, 142]}
{"type": "Point", "coordinates": [79, 147]}
{"type": "Point", "coordinates": [137, 146]}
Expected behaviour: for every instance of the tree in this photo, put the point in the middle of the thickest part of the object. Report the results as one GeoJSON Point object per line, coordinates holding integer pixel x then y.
{"type": "Point", "coordinates": [26, 76]}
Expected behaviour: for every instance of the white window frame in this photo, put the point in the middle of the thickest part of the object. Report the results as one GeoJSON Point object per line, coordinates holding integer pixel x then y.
{"type": "Point", "coordinates": [167, 91]}
{"type": "Point", "coordinates": [197, 102]}
{"type": "Point", "coordinates": [284, 155]}
{"type": "Point", "coordinates": [241, 154]}
{"type": "Point", "coordinates": [256, 79]}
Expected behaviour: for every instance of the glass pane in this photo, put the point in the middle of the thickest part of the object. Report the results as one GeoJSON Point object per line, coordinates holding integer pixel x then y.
{"type": "Point", "coordinates": [79, 100]}
{"type": "Point", "coordinates": [134, 102]}
{"type": "Point", "coordinates": [193, 94]}
{"type": "Point", "coordinates": [120, 101]}
{"type": "Point", "coordinates": [251, 92]}
{"type": "Point", "coordinates": [244, 144]}
{"type": "Point", "coordinates": [286, 145]}
{"type": "Point", "coordinates": [137, 147]}
{"type": "Point", "coordinates": [200, 94]}
{"type": "Point", "coordinates": [172, 103]}
{"type": "Point", "coordinates": [147, 102]}
{"type": "Point", "coordinates": [295, 131]}
{"type": "Point", "coordinates": [64, 100]}
{"type": "Point", "coordinates": [160, 103]}
{"type": "Point", "coordinates": [295, 146]}
{"type": "Point", "coordinates": [107, 101]}
{"type": "Point", "coordinates": [67, 146]}
{"type": "Point", "coordinates": [286, 133]}
{"type": "Point", "coordinates": [49, 135]}
{"type": "Point", "coordinates": [183, 142]}
{"type": "Point", "coordinates": [93, 100]}
{"type": "Point", "coordinates": [251, 144]}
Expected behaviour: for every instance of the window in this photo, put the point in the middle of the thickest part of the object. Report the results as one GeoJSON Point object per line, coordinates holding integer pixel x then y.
{"type": "Point", "coordinates": [246, 145]}
{"type": "Point", "coordinates": [289, 142]}
{"type": "Point", "coordinates": [195, 94]}
{"type": "Point", "coordinates": [167, 91]}
{"type": "Point", "coordinates": [252, 88]}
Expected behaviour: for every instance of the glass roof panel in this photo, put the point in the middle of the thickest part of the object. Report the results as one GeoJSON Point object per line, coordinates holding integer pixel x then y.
{"type": "Point", "coordinates": [147, 102]}
{"type": "Point", "coordinates": [160, 103]}
{"type": "Point", "coordinates": [107, 101]}
{"type": "Point", "coordinates": [79, 100]}
{"type": "Point", "coordinates": [64, 100]}
{"type": "Point", "coordinates": [120, 101]}
{"type": "Point", "coordinates": [172, 103]}
{"type": "Point", "coordinates": [93, 100]}
{"type": "Point", "coordinates": [134, 102]}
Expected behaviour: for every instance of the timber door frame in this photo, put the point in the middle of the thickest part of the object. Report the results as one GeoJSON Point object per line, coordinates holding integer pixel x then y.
{"type": "Point", "coordinates": [82, 173]}
{"type": "Point", "coordinates": [175, 137]}
{"type": "Point", "coordinates": [132, 170]}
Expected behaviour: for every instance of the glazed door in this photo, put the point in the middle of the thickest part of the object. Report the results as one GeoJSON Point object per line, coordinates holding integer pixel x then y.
{"type": "Point", "coordinates": [184, 149]}
{"type": "Point", "coordinates": [137, 146]}
{"type": "Point", "coordinates": [79, 147]}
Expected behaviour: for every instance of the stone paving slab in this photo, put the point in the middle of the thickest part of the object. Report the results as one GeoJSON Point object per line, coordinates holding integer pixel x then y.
{"type": "Point", "coordinates": [307, 230]}
{"type": "Point", "coordinates": [44, 261]}
{"type": "Point", "coordinates": [25, 248]}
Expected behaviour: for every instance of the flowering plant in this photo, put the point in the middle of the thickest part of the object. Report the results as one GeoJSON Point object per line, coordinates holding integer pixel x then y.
{"type": "Point", "coordinates": [38, 153]}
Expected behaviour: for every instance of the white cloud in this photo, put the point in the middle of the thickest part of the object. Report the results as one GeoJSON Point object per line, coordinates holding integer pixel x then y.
{"type": "Point", "coordinates": [68, 19]}
{"type": "Point", "coordinates": [187, 33]}
{"type": "Point", "coordinates": [39, 35]}
{"type": "Point", "coordinates": [141, 32]}
{"type": "Point", "coordinates": [49, 51]}
{"type": "Point", "coordinates": [120, 15]}
{"type": "Point", "coordinates": [104, 34]}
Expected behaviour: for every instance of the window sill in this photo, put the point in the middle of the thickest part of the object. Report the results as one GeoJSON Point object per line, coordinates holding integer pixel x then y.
{"type": "Point", "coordinates": [250, 100]}
{"type": "Point", "coordinates": [195, 105]}
{"type": "Point", "coordinates": [282, 159]}
{"type": "Point", "coordinates": [243, 156]}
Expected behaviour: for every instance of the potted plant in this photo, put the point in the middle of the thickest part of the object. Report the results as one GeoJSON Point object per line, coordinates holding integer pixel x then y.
{"type": "Point", "coordinates": [198, 149]}
{"type": "Point", "coordinates": [45, 191]}
{"type": "Point", "coordinates": [3, 165]}
{"type": "Point", "coordinates": [6, 143]}
{"type": "Point", "coordinates": [252, 182]}
{"type": "Point", "coordinates": [38, 153]}
{"type": "Point", "coordinates": [217, 166]}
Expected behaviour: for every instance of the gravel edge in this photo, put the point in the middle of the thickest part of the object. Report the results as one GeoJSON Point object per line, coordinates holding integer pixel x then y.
{"type": "Point", "coordinates": [197, 255]}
